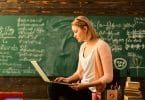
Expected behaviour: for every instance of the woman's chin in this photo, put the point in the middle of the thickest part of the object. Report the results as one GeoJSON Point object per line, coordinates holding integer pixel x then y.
{"type": "Point", "coordinates": [79, 40]}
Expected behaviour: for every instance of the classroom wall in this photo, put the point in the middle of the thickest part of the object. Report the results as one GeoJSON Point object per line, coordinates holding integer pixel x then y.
{"type": "Point", "coordinates": [34, 87]}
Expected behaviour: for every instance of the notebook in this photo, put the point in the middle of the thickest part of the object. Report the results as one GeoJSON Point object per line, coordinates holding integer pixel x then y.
{"type": "Point", "coordinates": [43, 75]}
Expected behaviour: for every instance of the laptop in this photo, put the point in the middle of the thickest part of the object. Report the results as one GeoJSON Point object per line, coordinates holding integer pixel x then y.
{"type": "Point", "coordinates": [43, 75]}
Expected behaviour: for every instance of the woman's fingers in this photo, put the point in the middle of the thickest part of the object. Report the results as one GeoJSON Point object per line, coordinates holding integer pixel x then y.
{"type": "Point", "coordinates": [59, 79]}
{"type": "Point", "coordinates": [77, 86]}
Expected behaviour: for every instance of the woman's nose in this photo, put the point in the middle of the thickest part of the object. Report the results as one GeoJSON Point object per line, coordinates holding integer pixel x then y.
{"type": "Point", "coordinates": [74, 35]}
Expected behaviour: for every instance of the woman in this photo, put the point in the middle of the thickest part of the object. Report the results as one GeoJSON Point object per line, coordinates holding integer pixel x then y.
{"type": "Point", "coordinates": [94, 69]}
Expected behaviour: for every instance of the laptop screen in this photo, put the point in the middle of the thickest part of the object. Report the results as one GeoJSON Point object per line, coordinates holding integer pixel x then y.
{"type": "Point", "coordinates": [40, 71]}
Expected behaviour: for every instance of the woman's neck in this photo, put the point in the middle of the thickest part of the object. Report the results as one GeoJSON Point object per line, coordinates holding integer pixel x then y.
{"type": "Point", "coordinates": [91, 42]}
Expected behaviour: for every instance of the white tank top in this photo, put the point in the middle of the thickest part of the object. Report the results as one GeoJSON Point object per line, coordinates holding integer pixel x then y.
{"type": "Point", "coordinates": [88, 66]}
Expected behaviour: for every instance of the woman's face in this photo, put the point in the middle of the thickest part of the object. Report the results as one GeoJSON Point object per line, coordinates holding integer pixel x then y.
{"type": "Point", "coordinates": [79, 33]}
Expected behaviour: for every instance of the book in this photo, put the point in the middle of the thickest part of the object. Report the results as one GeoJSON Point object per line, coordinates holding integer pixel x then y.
{"type": "Point", "coordinates": [132, 97]}
{"type": "Point", "coordinates": [132, 85]}
{"type": "Point", "coordinates": [131, 91]}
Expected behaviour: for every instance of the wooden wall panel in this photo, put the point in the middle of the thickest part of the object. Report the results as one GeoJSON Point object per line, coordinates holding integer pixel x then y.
{"type": "Point", "coordinates": [33, 87]}
{"type": "Point", "coordinates": [71, 7]}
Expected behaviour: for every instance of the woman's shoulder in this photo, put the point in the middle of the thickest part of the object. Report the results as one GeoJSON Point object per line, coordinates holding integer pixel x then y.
{"type": "Point", "coordinates": [102, 43]}
{"type": "Point", "coordinates": [83, 44]}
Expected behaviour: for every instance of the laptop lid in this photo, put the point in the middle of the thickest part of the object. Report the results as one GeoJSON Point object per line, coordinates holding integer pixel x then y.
{"type": "Point", "coordinates": [40, 71]}
{"type": "Point", "coordinates": [43, 75]}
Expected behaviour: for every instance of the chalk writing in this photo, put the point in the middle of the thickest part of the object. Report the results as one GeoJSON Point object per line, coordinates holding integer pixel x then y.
{"type": "Point", "coordinates": [136, 61]}
{"type": "Point", "coordinates": [7, 35]}
{"type": "Point", "coordinates": [29, 32]}
{"type": "Point", "coordinates": [6, 31]}
{"type": "Point", "coordinates": [139, 20]}
{"type": "Point", "coordinates": [29, 71]}
{"type": "Point", "coordinates": [120, 63]}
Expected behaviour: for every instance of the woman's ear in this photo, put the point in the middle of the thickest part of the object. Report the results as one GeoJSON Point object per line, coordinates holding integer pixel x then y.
{"type": "Point", "coordinates": [85, 28]}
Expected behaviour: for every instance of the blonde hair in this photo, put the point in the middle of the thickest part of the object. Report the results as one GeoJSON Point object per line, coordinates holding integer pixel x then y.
{"type": "Point", "coordinates": [82, 21]}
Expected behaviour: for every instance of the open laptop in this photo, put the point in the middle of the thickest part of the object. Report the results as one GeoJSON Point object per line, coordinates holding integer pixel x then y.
{"type": "Point", "coordinates": [43, 75]}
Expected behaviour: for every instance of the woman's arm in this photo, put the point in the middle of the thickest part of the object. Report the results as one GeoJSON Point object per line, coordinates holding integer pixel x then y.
{"type": "Point", "coordinates": [77, 75]}
{"type": "Point", "coordinates": [106, 60]}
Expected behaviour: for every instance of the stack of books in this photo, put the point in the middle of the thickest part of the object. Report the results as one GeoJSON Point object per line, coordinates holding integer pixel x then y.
{"type": "Point", "coordinates": [132, 91]}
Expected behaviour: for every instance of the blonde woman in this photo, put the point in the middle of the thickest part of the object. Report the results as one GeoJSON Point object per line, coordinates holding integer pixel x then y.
{"type": "Point", "coordinates": [94, 69]}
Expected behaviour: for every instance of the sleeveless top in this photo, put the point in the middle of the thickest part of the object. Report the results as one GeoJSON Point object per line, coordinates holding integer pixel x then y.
{"type": "Point", "coordinates": [97, 65]}
{"type": "Point", "coordinates": [88, 66]}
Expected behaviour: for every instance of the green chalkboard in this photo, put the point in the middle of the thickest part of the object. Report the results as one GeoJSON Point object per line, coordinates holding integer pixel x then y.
{"type": "Point", "coordinates": [46, 39]}
{"type": "Point", "coordinates": [49, 40]}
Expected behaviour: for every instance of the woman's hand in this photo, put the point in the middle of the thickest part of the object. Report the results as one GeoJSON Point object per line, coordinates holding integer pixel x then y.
{"type": "Point", "coordinates": [101, 87]}
{"type": "Point", "coordinates": [78, 86]}
{"type": "Point", "coordinates": [61, 79]}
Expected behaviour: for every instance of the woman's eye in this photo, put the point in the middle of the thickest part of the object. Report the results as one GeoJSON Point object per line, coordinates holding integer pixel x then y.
{"type": "Point", "coordinates": [75, 31]}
